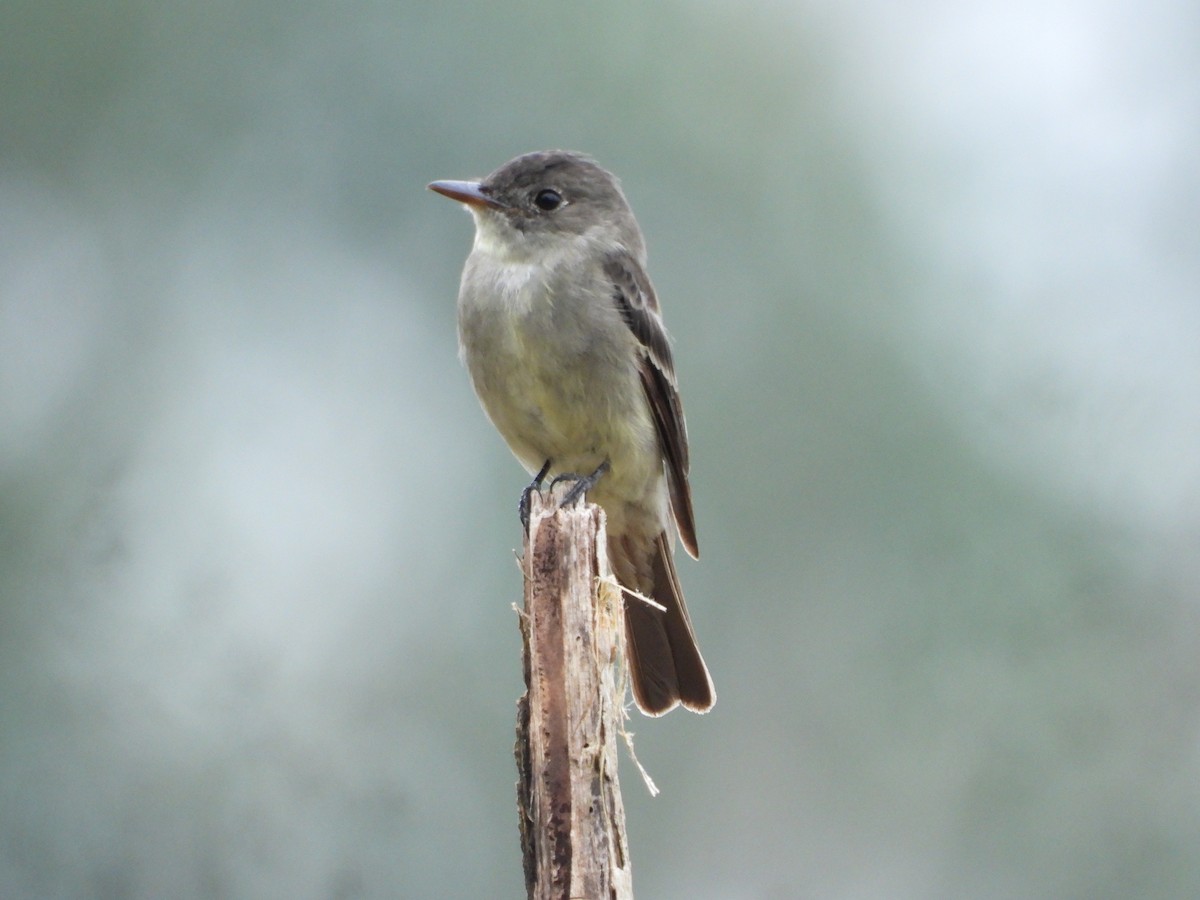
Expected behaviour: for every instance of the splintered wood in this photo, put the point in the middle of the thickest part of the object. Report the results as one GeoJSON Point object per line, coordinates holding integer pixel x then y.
{"type": "Point", "coordinates": [572, 819]}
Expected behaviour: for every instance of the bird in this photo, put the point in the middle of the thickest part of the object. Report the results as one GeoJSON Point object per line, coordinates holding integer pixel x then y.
{"type": "Point", "coordinates": [562, 335]}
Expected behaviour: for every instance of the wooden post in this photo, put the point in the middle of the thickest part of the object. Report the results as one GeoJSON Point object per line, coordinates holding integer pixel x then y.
{"type": "Point", "coordinates": [569, 800]}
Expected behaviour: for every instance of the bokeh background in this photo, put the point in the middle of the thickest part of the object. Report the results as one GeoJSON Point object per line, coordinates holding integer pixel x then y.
{"type": "Point", "coordinates": [933, 272]}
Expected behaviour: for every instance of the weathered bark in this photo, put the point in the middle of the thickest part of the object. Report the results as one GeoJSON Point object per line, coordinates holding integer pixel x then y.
{"type": "Point", "coordinates": [572, 819]}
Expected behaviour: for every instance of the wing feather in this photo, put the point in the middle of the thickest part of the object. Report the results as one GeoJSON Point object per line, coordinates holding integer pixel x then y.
{"type": "Point", "coordinates": [638, 305]}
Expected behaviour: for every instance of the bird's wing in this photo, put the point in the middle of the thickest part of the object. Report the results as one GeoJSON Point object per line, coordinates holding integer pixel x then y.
{"type": "Point", "coordinates": [638, 306]}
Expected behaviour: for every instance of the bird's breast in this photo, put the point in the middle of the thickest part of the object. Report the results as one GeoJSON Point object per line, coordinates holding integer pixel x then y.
{"type": "Point", "coordinates": [553, 366]}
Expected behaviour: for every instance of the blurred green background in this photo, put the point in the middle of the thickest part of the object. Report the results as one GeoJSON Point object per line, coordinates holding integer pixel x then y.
{"type": "Point", "coordinates": [932, 272]}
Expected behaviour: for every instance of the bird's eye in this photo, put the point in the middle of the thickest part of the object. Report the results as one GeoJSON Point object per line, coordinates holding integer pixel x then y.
{"type": "Point", "coordinates": [547, 200]}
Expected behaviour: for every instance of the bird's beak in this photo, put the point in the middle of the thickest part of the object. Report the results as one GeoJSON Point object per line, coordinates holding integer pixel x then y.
{"type": "Point", "coordinates": [469, 192]}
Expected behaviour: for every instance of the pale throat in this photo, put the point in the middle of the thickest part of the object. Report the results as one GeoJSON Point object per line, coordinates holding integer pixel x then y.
{"type": "Point", "coordinates": [518, 265]}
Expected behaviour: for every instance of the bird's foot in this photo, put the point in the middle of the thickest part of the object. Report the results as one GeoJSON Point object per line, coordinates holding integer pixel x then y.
{"type": "Point", "coordinates": [535, 485]}
{"type": "Point", "coordinates": [583, 483]}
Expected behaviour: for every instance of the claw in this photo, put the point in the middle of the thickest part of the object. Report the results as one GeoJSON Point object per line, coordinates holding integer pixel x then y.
{"type": "Point", "coordinates": [535, 485]}
{"type": "Point", "coordinates": [583, 484]}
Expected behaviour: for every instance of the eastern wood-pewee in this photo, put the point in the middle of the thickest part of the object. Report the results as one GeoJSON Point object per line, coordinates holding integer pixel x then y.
{"type": "Point", "coordinates": [560, 330]}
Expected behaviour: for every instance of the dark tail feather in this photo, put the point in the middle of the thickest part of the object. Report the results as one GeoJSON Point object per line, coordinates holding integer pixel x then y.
{"type": "Point", "coordinates": [665, 666]}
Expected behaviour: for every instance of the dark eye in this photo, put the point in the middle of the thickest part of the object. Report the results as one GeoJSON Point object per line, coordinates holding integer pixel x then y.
{"type": "Point", "coordinates": [547, 200]}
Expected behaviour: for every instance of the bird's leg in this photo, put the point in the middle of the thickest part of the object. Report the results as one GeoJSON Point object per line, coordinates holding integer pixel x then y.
{"type": "Point", "coordinates": [583, 483]}
{"type": "Point", "coordinates": [535, 485]}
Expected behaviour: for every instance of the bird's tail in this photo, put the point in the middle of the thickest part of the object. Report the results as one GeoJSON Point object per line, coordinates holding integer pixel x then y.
{"type": "Point", "coordinates": [665, 666]}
